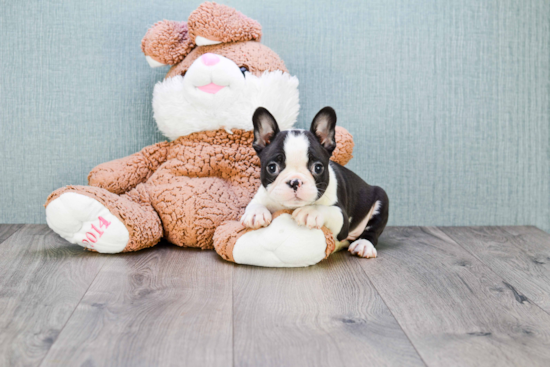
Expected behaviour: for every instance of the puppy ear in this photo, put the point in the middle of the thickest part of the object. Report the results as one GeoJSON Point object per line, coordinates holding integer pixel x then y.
{"type": "Point", "coordinates": [323, 127]}
{"type": "Point", "coordinates": [265, 129]}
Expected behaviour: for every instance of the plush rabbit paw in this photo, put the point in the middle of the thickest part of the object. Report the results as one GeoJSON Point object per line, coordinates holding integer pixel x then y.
{"type": "Point", "coordinates": [283, 243]}
{"type": "Point", "coordinates": [256, 216]}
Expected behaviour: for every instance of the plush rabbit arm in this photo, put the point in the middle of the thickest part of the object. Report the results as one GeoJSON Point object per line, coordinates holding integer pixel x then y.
{"type": "Point", "coordinates": [122, 175]}
{"type": "Point", "coordinates": [344, 146]}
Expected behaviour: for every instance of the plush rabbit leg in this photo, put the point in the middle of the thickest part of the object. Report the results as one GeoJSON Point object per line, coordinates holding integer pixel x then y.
{"type": "Point", "coordinates": [282, 244]}
{"type": "Point", "coordinates": [102, 221]}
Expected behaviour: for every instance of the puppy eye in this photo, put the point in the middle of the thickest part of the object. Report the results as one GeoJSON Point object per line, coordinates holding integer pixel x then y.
{"type": "Point", "coordinates": [318, 168]}
{"type": "Point", "coordinates": [273, 168]}
{"type": "Point", "coordinates": [244, 69]}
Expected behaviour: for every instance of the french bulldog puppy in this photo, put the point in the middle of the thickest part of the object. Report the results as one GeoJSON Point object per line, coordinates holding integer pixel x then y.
{"type": "Point", "coordinates": [297, 173]}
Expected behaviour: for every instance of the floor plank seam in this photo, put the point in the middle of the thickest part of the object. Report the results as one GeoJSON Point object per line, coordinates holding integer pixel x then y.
{"type": "Point", "coordinates": [72, 313]}
{"type": "Point", "coordinates": [506, 282]}
{"type": "Point", "coordinates": [514, 236]}
{"type": "Point", "coordinates": [391, 312]}
{"type": "Point", "coordinates": [451, 271]}
{"type": "Point", "coordinates": [7, 238]}
{"type": "Point", "coordinates": [514, 242]}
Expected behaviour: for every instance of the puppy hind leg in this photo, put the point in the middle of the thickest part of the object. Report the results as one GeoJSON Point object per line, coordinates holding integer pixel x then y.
{"type": "Point", "coordinates": [365, 244]}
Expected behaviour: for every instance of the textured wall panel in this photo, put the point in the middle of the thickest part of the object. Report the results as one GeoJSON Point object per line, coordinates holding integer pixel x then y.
{"type": "Point", "coordinates": [448, 100]}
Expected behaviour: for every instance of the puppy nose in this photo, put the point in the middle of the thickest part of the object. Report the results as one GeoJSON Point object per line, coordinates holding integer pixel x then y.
{"type": "Point", "coordinates": [210, 59]}
{"type": "Point", "coordinates": [294, 184]}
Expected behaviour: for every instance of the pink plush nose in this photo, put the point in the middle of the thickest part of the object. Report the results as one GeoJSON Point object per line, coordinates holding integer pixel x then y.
{"type": "Point", "coordinates": [210, 59]}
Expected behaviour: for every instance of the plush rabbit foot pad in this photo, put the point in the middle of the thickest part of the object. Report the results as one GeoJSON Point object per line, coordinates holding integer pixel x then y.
{"type": "Point", "coordinates": [282, 244]}
{"type": "Point", "coordinates": [83, 221]}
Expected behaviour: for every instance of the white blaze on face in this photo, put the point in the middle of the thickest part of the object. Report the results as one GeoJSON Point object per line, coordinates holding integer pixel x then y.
{"type": "Point", "coordinates": [296, 148]}
{"type": "Point", "coordinates": [214, 94]}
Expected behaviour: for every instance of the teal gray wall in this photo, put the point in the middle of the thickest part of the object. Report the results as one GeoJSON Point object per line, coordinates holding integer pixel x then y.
{"type": "Point", "coordinates": [448, 101]}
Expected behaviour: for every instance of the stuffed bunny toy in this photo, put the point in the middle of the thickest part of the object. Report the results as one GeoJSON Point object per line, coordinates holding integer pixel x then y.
{"type": "Point", "coordinates": [185, 189]}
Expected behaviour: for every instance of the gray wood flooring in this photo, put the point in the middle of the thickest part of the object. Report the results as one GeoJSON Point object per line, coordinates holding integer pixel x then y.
{"type": "Point", "coordinates": [435, 296]}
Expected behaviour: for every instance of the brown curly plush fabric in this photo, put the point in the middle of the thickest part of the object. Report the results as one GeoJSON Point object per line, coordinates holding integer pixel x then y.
{"type": "Point", "coordinates": [182, 190]}
{"type": "Point", "coordinates": [121, 175]}
{"type": "Point", "coordinates": [221, 23]}
{"type": "Point", "coordinates": [226, 236]}
{"type": "Point", "coordinates": [167, 42]}
{"type": "Point", "coordinates": [344, 147]}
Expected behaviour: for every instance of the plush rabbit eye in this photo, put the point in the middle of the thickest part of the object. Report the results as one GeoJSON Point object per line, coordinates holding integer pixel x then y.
{"type": "Point", "coordinates": [244, 69]}
{"type": "Point", "coordinates": [318, 168]}
{"type": "Point", "coordinates": [273, 168]}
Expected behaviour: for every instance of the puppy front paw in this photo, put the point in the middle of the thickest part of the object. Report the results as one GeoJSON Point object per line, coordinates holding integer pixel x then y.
{"type": "Point", "coordinates": [363, 248]}
{"type": "Point", "coordinates": [256, 217]}
{"type": "Point", "coordinates": [309, 216]}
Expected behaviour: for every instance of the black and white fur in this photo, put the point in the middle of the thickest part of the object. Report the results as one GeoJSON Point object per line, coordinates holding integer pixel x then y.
{"type": "Point", "coordinates": [297, 173]}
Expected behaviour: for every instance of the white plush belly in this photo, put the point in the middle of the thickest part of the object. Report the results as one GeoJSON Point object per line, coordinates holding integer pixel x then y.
{"type": "Point", "coordinates": [282, 244]}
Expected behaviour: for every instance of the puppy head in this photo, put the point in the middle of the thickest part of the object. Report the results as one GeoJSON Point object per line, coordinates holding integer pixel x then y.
{"type": "Point", "coordinates": [295, 163]}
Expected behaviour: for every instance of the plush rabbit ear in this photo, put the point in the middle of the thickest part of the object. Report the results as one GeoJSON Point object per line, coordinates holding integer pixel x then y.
{"type": "Point", "coordinates": [166, 43]}
{"type": "Point", "coordinates": [213, 23]}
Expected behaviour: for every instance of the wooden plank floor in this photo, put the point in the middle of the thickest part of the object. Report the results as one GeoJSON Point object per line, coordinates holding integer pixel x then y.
{"type": "Point", "coordinates": [448, 296]}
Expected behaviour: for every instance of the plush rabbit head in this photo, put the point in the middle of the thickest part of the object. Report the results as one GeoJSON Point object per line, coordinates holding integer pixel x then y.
{"type": "Point", "coordinates": [220, 73]}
